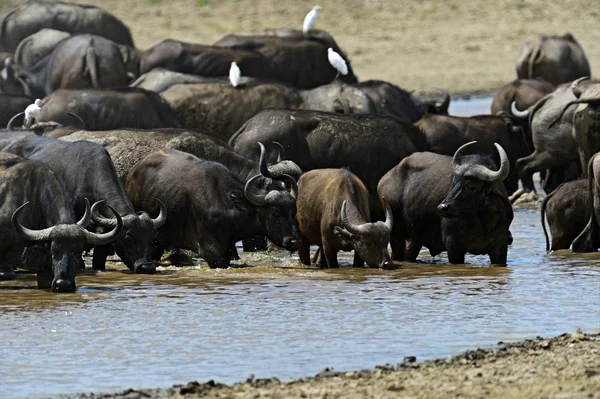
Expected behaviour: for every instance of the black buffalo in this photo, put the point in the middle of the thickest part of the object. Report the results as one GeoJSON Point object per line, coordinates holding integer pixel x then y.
{"type": "Point", "coordinates": [38, 228]}
{"type": "Point", "coordinates": [33, 16]}
{"type": "Point", "coordinates": [107, 109]}
{"type": "Point", "coordinates": [556, 59]}
{"type": "Point", "coordinates": [301, 60]}
{"type": "Point", "coordinates": [453, 204]}
{"type": "Point", "coordinates": [333, 213]}
{"type": "Point", "coordinates": [11, 105]}
{"type": "Point", "coordinates": [209, 207]}
{"type": "Point", "coordinates": [368, 145]}
{"type": "Point", "coordinates": [445, 134]}
{"type": "Point", "coordinates": [88, 172]}
{"type": "Point", "coordinates": [85, 61]}
{"type": "Point", "coordinates": [568, 211]}
{"type": "Point", "coordinates": [222, 109]}
{"type": "Point", "coordinates": [210, 61]}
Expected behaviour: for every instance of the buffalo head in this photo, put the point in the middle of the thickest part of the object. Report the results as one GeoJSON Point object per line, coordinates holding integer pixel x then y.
{"type": "Point", "coordinates": [472, 181]}
{"type": "Point", "coordinates": [370, 240]}
{"type": "Point", "coordinates": [66, 244]}
{"type": "Point", "coordinates": [134, 245]}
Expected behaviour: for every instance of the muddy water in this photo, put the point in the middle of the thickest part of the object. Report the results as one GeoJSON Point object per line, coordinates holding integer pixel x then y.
{"type": "Point", "coordinates": [276, 317]}
{"type": "Point", "coordinates": [281, 319]}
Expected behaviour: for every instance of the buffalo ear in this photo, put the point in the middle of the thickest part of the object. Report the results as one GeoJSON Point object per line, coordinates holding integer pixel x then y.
{"type": "Point", "coordinates": [240, 201]}
{"type": "Point", "coordinates": [342, 232]}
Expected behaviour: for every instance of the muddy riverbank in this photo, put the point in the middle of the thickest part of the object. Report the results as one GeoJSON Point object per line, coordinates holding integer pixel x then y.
{"type": "Point", "coordinates": [567, 366]}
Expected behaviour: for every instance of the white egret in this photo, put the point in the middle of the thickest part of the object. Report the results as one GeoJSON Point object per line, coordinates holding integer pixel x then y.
{"type": "Point", "coordinates": [234, 74]}
{"type": "Point", "coordinates": [311, 19]}
{"type": "Point", "coordinates": [32, 111]}
{"type": "Point", "coordinates": [337, 62]}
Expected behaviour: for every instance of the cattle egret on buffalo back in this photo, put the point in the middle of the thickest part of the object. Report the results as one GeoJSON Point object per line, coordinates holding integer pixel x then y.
{"type": "Point", "coordinates": [311, 19]}
{"type": "Point", "coordinates": [234, 74]}
{"type": "Point", "coordinates": [32, 111]}
{"type": "Point", "coordinates": [337, 62]}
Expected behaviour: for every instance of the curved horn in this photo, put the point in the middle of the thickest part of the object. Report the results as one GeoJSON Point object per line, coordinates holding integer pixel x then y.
{"type": "Point", "coordinates": [12, 120]}
{"type": "Point", "coordinates": [517, 113]}
{"type": "Point", "coordinates": [482, 173]}
{"type": "Point", "coordinates": [32, 235]}
{"type": "Point", "coordinates": [77, 118]}
{"type": "Point", "coordinates": [281, 155]}
{"type": "Point", "coordinates": [293, 185]}
{"type": "Point", "coordinates": [389, 218]}
{"type": "Point", "coordinates": [162, 215]}
{"type": "Point", "coordinates": [101, 220]}
{"type": "Point", "coordinates": [457, 159]}
{"type": "Point", "coordinates": [105, 238]}
{"type": "Point", "coordinates": [254, 199]}
{"type": "Point", "coordinates": [445, 102]}
{"type": "Point", "coordinates": [574, 86]}
{"type": "Point", "coordinates": [87, 215]}
{"type": "Point", "coordinates": [352, 228]}
{"type": "Point", "coordinates": [262, 162]}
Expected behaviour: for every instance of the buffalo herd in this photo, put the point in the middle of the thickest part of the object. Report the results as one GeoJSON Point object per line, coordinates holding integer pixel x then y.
{"type": "Point", "coordinates": [118, 150]}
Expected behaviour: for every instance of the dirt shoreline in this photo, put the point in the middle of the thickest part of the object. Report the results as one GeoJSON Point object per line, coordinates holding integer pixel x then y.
{"type": "Point", "coordinates": [567, 366]}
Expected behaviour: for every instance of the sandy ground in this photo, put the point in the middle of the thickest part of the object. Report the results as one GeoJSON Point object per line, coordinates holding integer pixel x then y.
{"type": "Point", "coordinates": [463, 45]}
{"type": "Point", "coordinates": [563, 367]}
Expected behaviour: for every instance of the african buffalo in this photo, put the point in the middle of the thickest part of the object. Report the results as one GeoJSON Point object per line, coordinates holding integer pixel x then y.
{"type": "Point", "coordinates": [33, 16]}
{"type": "Point", "coordinates": [210, 61]}
{"type": "Point", "coordinates": [301, 60]}
{"type": "Point", "coordinates": [88, 172]}
{"type": "Point", "coordinates": [333, 213]}
{"type": "Point", "coordinates": [38, 229]}
{"type": "Point", "coordinates": [551, 123]}
{"type": "Point", "coordinates": [568, 211]}
{"type": "Point", "coordinates": [127, 147]}
{"type": "Point", "coordinates": [391, 100]}
{"type": "Point", "coordinates": [453, 204]}
{"type": "Point", "coordinates": [222, 109]}
{"type": "Point", "coordinates": [589, 239]}
{"type": "Point", "coordinates": [108, 109]}
{"type": "Point", "coordinates": [556, 59]}
{"type": "Point", "coordinates": [85, 61]}
{"type": "Point", "coordinates": [586, 119]}
{"type": "Point", "coordinates": [523, 92]}
{"type": "Point", "coordinates": [368, 145]}
{"type": "Point", "coordinates": [445, 134]}
{"type": "Point", "coordinates": [209, 207]}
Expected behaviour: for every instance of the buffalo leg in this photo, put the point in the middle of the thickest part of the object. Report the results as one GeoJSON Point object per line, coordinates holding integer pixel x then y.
{"type": "Point", "coordinates": [158, 249]}
{"type": "Point", "coordinates": [527, 181]}
{"type": "Point", "coordinates": [233, 253]}
{"type": "Point", "coordinates": [258, 243]}
{"type": "Point", "coordinates": [304, 251]}
{"type": "Point", "coordinates": [498, 255]}
{"type": "Point", "coordinates": [398, 245]}
{"type": "Point", "coordinates": [457, 257]}
{"type": "Point", "coordinates": [412, 250]}
{"type": "Point", "coordinates": [6, 271]}
{"type": "Point", "coordinates": [101, 252]}
{"type": "Point", "coordinates": [329, 254]}
{"type": "Point", "coordinates": [358, 262]}
{"type": "Point", "coordinates": [44, 278]}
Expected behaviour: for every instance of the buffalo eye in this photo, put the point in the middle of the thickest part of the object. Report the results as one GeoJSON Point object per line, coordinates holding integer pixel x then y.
{"type": "Point", "coordinates": [369, 244]}
{"type": "Point", "coordinates": [128, 239]}
{"type": "Point", "coordinates": [276, 214]}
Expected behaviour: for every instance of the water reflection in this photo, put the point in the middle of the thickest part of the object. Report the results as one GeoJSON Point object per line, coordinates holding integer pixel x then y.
{"type": "Point", "coordinates": [282, 318]}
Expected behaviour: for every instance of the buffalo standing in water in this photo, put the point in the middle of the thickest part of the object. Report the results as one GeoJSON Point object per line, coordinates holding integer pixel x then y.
{"type": "Point", "coordinates": [449, 204]}
{"type": "Point", "coordinates": [209, 208]}
{"type": "Point", "coordinates": [333, 213]}
{"type": "Point", "coordinates": [44, 237]}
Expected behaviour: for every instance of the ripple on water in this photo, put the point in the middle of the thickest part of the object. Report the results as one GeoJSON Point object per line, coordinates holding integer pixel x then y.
{"type": "Point", "coordinates": [282, 318]}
